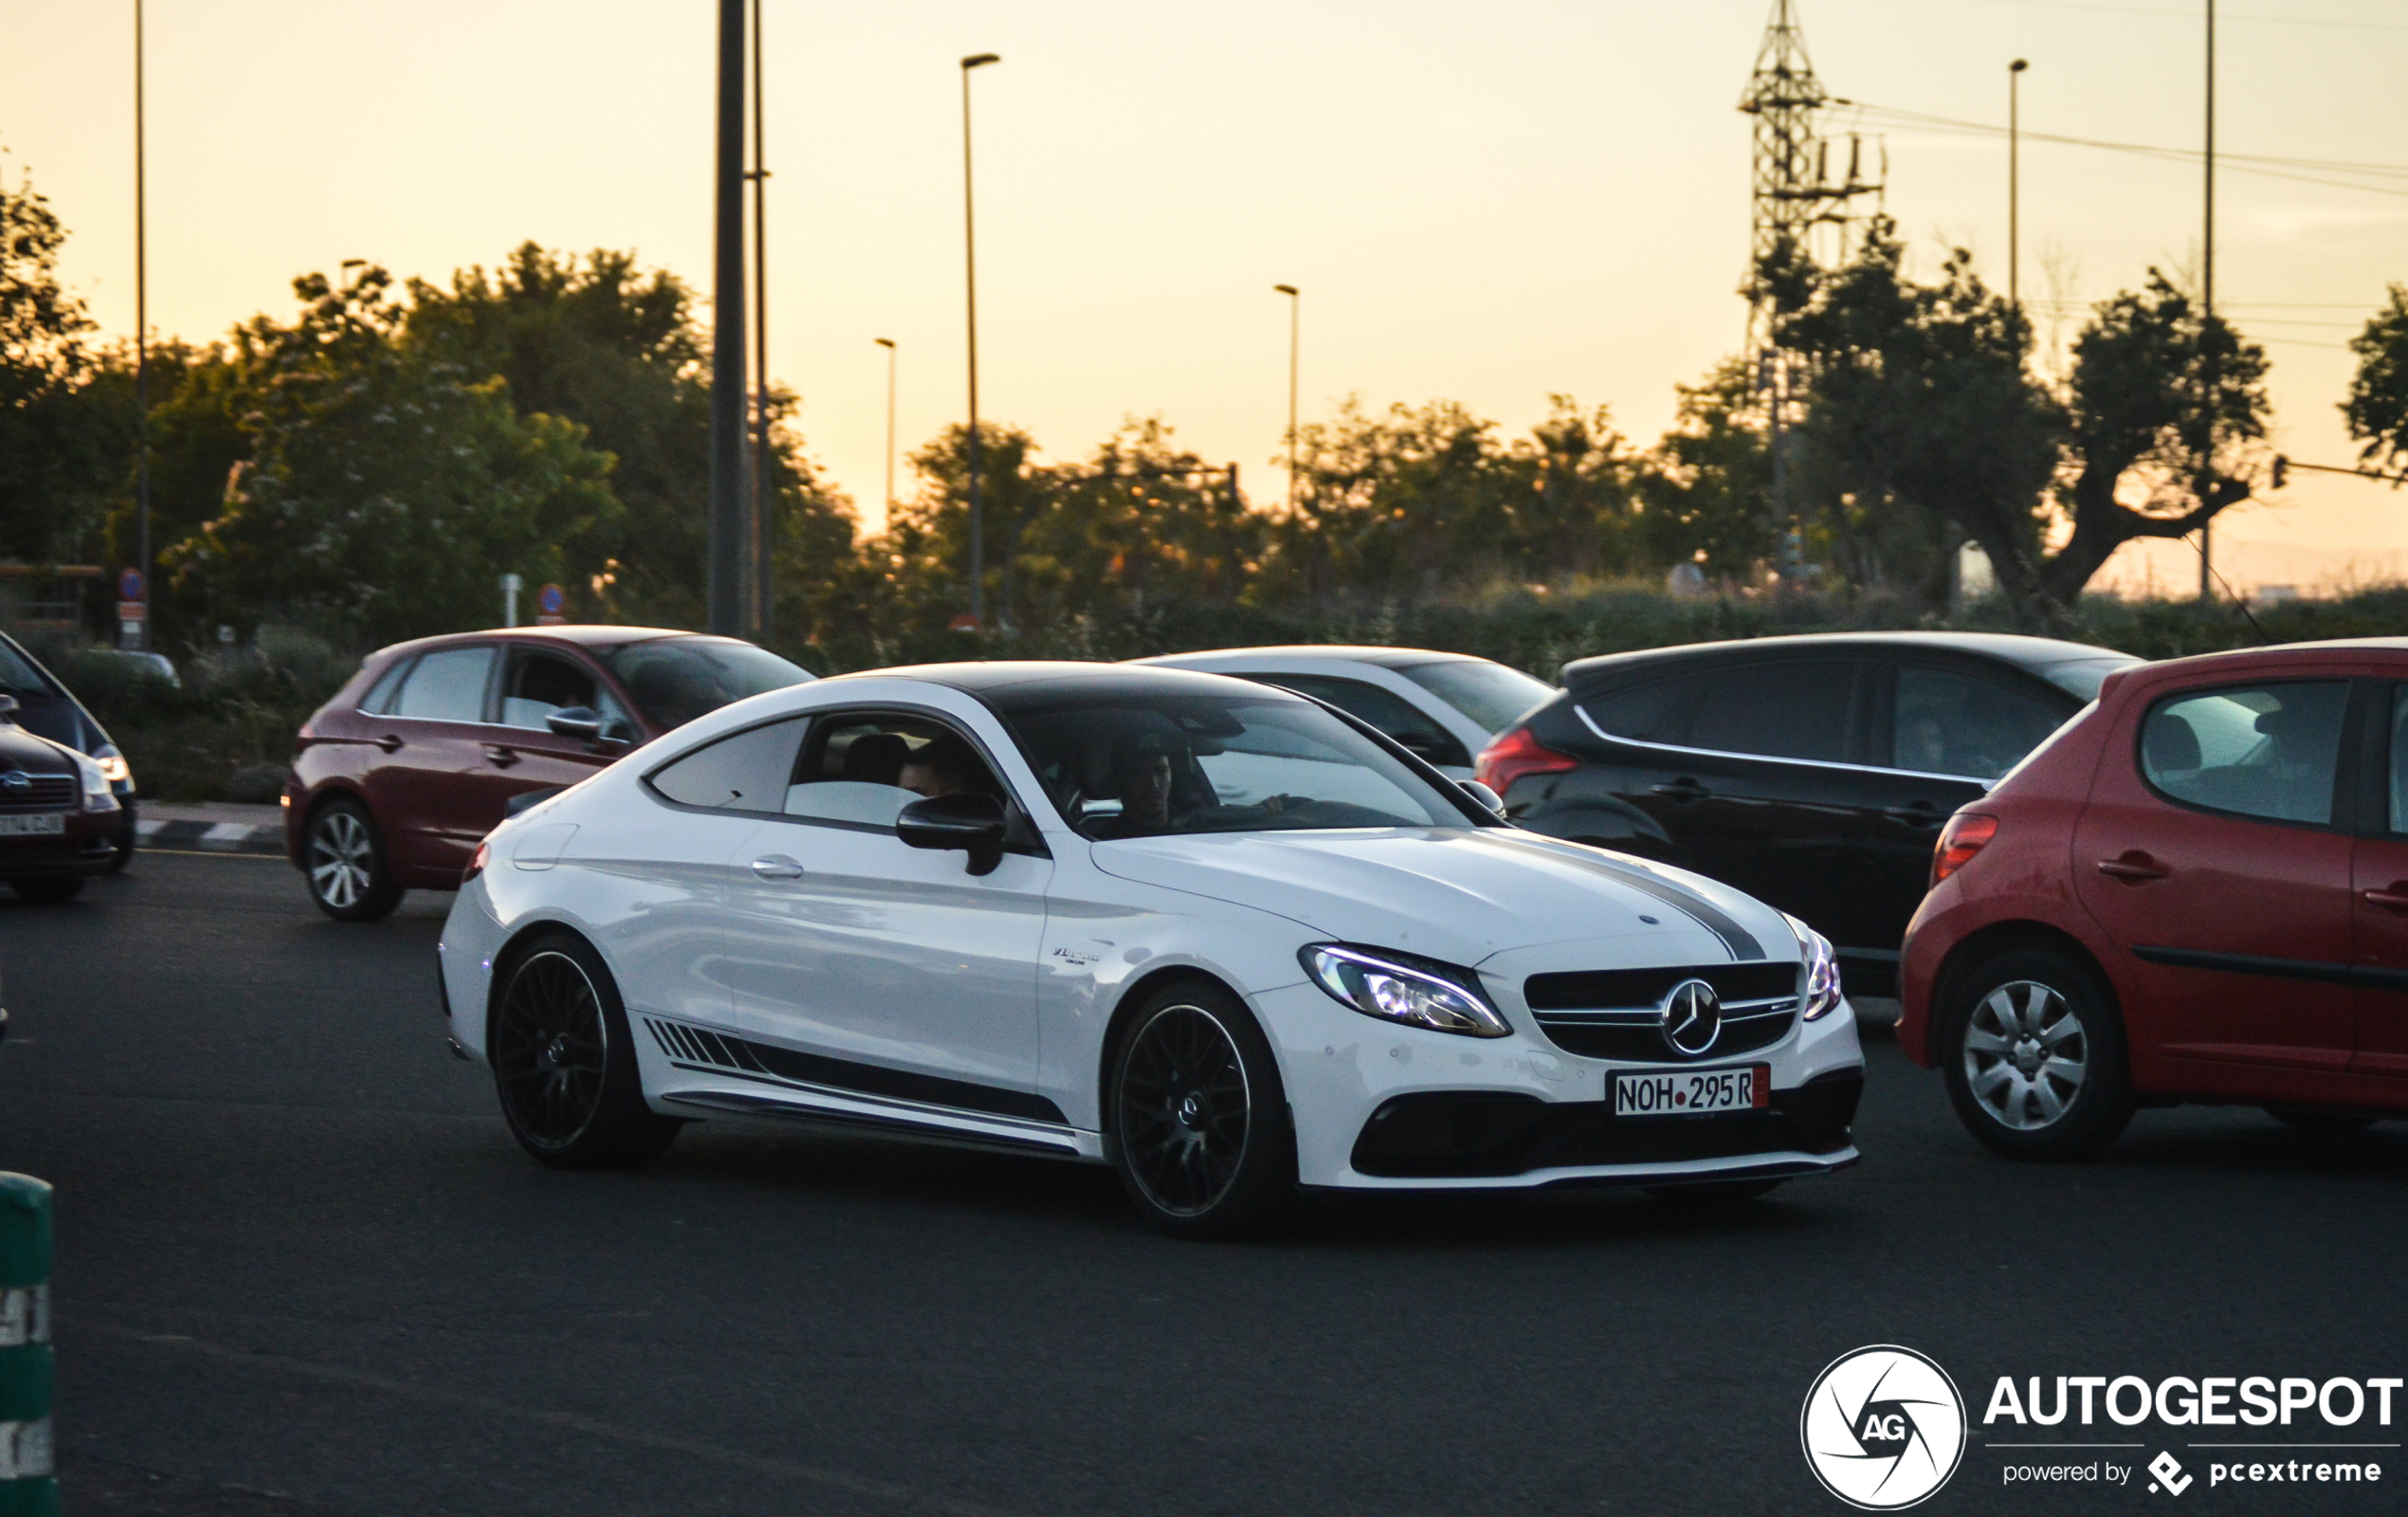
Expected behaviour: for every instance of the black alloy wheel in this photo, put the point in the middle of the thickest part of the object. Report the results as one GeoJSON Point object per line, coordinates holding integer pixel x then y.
{"type": "Point", "coordinates": [343, 859]}
{"type": "Point", "coordinates": [563, 1063]}
{"type": "Point", "coordinates": [1199, 1117]}
{"type": "Point", "coordinates": [2032, 1052]}
{"type": "Point", "coordinates": [48, 890]}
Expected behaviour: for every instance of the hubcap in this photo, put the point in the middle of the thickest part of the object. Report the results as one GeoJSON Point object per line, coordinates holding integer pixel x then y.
{"type": "Point", "coordinates": [340, 859]}
{"type": "Point", "coordinates": [550, 1049]}
{"type": "Point", "coordinates": [1184, 1109]}
{"type": "Point", "coordinates": [2026, 1056]}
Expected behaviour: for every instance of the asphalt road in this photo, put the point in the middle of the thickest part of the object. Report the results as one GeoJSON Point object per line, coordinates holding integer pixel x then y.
{"type": "Point", "coordinates": [302, 1269]}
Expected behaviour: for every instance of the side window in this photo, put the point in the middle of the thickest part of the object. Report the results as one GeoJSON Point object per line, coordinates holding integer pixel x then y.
{"type": "Point", "coordinates": [1645, 712]}
{"type": "Point", "coordinates": [863, 768]}
{"type": "Point", "coordinates": [746, 772]}
{"type": "Point", "coordinates": [2259, 750]}
{"type": "Point", "coordinates": [1950, 723]}
{"type": "Point", "coordinates": [447, 686]}
{"type": "Point", "coordinates": [2397, 788]}
{"type": "Point", "coordinates": [1391, 713]}
{"type": "Point", "coordinates": [379, 699]}
{"type": "Point", "coordinates": [1789, 710]}
{"type": "Point", "coordinates": [540, 683]}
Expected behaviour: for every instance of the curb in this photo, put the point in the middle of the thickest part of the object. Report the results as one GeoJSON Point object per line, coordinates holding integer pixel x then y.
{"type": "Point", "coordinates": [210, 837]}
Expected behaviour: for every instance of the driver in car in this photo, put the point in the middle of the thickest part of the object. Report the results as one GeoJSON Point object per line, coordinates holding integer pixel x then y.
{"type": "Point", "coordinates": [1142, 776]}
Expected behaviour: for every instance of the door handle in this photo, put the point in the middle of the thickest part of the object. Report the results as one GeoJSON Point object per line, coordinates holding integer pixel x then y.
{"type": "Point", "coordinates": [389, 743]}
{"type": "Point", "coordinates": [2392, 898]}
{"type": "Point", "coordinates": [2134, 868]}
{"type": "Point", "coordinates": [777, 867]}
{"type": "Point", "coordinates": [1683, 790]}
{"type": "Point", "coordinates": [501, 757]}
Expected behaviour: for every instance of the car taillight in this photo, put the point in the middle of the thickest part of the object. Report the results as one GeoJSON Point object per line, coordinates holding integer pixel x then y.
{"type": "Point", "coordinates": [1966, 834]}
{"type": "Point", "coordinates": [476, 863]}
{"type": "Point", "coordinates": [1514, 755]}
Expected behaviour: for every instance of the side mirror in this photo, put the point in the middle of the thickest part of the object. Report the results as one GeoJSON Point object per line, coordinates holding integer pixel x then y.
{"type": "Point", "coordinates": [8, 706]}
{"type": "Point", "coordinates": [973, 823]}
{"type": "Point", "coordinates": [1483, 795]}
{"type": "Point", "coordinates": [575, 722]}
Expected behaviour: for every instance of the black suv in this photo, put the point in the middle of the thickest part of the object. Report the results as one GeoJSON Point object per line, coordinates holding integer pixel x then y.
{"type": "Point", "coordinates": [1813, 773]}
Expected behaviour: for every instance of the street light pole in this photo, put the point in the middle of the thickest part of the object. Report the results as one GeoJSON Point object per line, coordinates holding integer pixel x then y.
{"type": "Point", "coordinates": [2207, 290]}
{"type": "Point", "coordinates": [728, 516]}
{"type": "Point", "coordinates": [889, 344]}
{"type": "Point", "coordinates": [2015, 182]}
{"type": "Point", "coordinates": [1295, 319]}
{"type": "Point", "coordinates": [970, 264]}
{"type": "Point", "coordinates": [141, 351]}
{"type": "Point", "coordinates": [763, 583]}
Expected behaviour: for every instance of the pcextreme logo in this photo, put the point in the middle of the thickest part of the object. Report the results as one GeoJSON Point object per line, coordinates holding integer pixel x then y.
{"type": "Point", "coordinates": [1882, 1427]}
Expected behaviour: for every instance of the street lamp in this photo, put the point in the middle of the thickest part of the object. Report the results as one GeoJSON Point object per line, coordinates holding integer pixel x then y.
{"type": "Point", "coordinates": [970, 264]}
{"type": "Point", "coordinates": [1295, 318]}
{"type": "Point", "coordinates": [2015, 170]}
{"type": "Point", "coordinates": [889, 344]}
{"type": "Point", "coordinates": [141, 358]}
{"type": "Point", "coordinates": [2207, 290]}
{"type": "Point", "coordinates": [760, 587]}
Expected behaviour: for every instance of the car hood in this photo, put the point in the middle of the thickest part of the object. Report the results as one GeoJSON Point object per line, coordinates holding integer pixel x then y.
{"type": "Point", "coordinates": [1461, 895]}
{"type": "Point", "coordinates": [35, 755]}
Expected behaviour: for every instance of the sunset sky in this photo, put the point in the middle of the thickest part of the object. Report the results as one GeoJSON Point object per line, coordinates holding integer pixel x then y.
{"type": "Point", "coordinates": [1487, 203]}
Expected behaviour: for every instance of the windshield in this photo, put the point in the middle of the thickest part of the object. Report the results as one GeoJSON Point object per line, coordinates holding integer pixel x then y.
{"type": "Point", "coordinates": [2082, 677]}
{"type": "Point", "coordinates": [676, 679]}
{"type": "Point", "coordinates": [17, 674]}
{"type": "Point", "coordinates": [1144, 765]}
{"type": "Point", "coordinates": [1490, 694]}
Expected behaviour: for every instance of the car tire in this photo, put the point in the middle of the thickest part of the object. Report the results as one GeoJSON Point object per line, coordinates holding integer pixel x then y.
{"type": "Point", "coordinates": [343, 860]}
{"type": "Point", "coordinates": [1201, 1133]}
{"type": "Point", "coordinates": [2034, 1056]}
{"type": "Point", "coordinates": [2320, 1124]}
{"type": "Point", "coordinates": [122, 854]}
{"type": "Point", "coordinates": [48, 890]}
{"type": "Point", "coordinates": [564, 1062]}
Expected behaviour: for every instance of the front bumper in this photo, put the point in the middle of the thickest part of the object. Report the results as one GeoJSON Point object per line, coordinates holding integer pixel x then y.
{"type": "Point", "coordinates": [1389, 1108]}
{"type": "Point", "coordinates": [83, 849]}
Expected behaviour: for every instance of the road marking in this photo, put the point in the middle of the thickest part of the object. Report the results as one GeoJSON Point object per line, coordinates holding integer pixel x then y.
{"type": "Point", "coordinates": [566, 1421]}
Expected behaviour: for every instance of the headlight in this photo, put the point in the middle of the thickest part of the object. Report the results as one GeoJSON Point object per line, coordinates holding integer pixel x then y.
{"type": "Point", "coordinates": [113, 765]}
{"type": "Point", "coordinates": [95, 786]}
{"type": "Point", "coordinates": [1394, 988]}
{"type": "Point", "coordinates": [1818, 979]}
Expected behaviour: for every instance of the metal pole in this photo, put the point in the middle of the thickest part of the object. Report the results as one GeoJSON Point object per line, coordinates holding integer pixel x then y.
{"type": "Point", "coordinates": [1295, 319]}
{"type": "Point", "coordinates": [142, 348]}
{"type": "Point", "coordinates": [2015, 182]}
{"type": "Point", "coordinates": [2207, 291]}
{"type": "Point", "coordinates": [764, 583]}
{"type": "Point", "coordinates": [970, 268]}
{"type": "Point", "coordinates": [889, 344]}
{"type": "Point", "coordinates": [727, 511]}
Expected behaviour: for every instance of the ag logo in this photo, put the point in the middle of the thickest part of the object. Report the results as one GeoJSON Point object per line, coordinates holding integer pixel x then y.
{"type": "Point", "coordinates": [1883, 1428]}
{"type": "Point", "coordinates": [1692, 1017]}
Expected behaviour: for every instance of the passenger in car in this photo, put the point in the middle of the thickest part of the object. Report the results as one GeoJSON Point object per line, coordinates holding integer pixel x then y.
{"type": "Point", "coordinates": [1141, 774]}
{"type": "Point", "coordinates": [942, 766]}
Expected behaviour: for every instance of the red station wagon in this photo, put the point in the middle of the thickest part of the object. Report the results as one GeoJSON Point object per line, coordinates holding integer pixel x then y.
{"type": "Point", "coordinates": [422, 752]}
{"type": "Point", "coordinates": [2195, 891]}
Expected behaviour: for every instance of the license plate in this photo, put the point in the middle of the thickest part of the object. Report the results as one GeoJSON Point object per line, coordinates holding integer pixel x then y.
{"type": "Point", "coordinates": [41, 824]}
{"type": "Point", "coordinates": [1690, 1092]}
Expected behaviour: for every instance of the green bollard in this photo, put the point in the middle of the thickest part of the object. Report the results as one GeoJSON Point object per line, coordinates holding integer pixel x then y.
{"type": "Point", "coordinates": [28, 1485]}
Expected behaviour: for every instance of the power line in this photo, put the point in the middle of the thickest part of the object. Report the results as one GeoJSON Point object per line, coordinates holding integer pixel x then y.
{"type": "Point", "coordinates": [2185, 15]}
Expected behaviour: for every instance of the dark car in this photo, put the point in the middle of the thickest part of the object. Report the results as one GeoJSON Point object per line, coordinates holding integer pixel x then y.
{"type": "Point", "coordinates": [58, 820]}
{"type": "Point", "coordinates": [47, 707]}
{"type": "Point", "coordinates": [426, 748]}
{"type": "Point", "coordinates": [1813, 773]}
{"type": "Point", "coordinates": [2196, 892]}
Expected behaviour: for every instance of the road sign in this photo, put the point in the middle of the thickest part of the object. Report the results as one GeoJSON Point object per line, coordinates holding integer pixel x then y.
{"type": "Point", "coordinates": [549, 602]}
{"type": "Point", "coordinates": [130, 586]}
{"type": "Point", "coordinates": [132, 610]}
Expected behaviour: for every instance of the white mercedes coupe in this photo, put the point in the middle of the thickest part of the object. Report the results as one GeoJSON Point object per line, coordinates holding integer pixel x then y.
{"type": "Point", "coordinates": [1231, 941]}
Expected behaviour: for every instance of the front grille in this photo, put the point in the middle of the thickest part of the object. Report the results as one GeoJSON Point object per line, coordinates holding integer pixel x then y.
{"type": "Point", "coordinates": [1615, 1013]}
{"type": "Point", "coordinates": [39, 793]}
{"type": "Point", "coordinates": [1479, 1134]}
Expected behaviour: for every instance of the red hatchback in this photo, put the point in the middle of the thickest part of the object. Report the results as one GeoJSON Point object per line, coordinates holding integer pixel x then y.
{"type": "Point", "coordinates": [422, 752]}
{"type": "Point", "coordinates": [2196, 890]}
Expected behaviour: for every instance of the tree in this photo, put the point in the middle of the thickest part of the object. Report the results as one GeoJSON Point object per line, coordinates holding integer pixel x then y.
{"type": "Point", "coordinates": [387, 486]}
{"type": "Point", "coordinates": [2377, 409]}
{"type": "Point", "coordinates": [67, 421]}
{"type": "Point", "coordinates": [1923, 424]}
{"type": "Point", "coordinates": [1705, 490]}
{"type": "Point", "coordinates": [2167, 406]}
{"type": "Point", "coordinates": [927, 542]}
